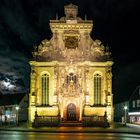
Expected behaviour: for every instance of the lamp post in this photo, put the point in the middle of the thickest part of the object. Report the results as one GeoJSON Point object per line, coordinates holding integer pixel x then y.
{"type": "Point", "coordinates": [125, 114]}
{"type": "Point", "coordinates": [17, 108]}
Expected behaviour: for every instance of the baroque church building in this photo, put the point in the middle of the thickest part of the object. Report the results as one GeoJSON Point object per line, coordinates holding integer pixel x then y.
{"type": "Point", "coordinates": [71, 78]}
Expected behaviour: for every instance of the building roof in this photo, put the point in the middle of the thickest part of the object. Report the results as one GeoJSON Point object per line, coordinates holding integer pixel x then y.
{"type": "Point", "coordinates": [136, 94]}
{"type": "Point", "coordinates": [11, 99]}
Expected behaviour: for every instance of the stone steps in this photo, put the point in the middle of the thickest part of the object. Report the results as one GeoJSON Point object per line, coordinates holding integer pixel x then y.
{"type": "Point", "coordinates": [70, 123]}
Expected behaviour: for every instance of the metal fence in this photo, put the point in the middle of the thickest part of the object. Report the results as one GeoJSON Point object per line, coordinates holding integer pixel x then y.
{"type": "Point", "coordinates": [46, 121]}
{"type": "Point", "coordinates": [98, 121]}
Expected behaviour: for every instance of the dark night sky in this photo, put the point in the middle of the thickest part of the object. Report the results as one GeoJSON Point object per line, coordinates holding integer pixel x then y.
{"type": "Point", "coordinates": [23, 24]}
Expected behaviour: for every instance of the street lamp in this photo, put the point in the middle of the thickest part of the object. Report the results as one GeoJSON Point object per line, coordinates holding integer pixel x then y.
{"type": "Point", "coordinates": [17, 108]}
{"type": "Point", "coordinates": [125, 113]}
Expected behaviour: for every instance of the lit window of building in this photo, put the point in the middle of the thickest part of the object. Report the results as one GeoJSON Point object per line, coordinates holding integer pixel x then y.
{"type": "Point", "coordinates": [97, 89]}
{"type": "Point", "coordinates": [138, 103]}
{"type": "Point", "coordinates": [45, 89]}
{"type": "Point", "coordinates": [134, 104]}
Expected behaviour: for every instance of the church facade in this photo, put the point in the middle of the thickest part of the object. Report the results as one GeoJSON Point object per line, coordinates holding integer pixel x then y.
{"type": "Point", "coordinates": [71, 74]}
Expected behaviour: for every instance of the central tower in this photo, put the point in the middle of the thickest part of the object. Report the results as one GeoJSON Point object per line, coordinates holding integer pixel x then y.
{"type": "Point", "coordinates": [71, 73]}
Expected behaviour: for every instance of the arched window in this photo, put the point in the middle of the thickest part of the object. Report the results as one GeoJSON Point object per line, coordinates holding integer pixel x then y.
{"type": "Point", "coordinates": [97, 89]}
{"type": "Point", "coordinates": [45, 89]}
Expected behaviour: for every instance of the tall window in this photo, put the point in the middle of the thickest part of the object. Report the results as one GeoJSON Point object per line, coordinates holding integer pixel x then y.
{"type": "Point", "coordinates": [133, 104]}
{"type": "Point", "coordinates": [45, 89]}
{"type": "Point", "coordinates": [97, 89]}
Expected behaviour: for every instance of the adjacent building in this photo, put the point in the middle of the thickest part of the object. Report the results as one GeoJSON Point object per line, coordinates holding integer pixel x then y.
{"type": "Point", "coordinates": [71, 76]}
{"type": "Point", "coordinates": [120, 110]}
{"type": "Point", "coordinates": [130, 108]}
{"type": "Point", "coordinates": [13, 107]}
{"type": "Point", "coordinates": [134, 109]}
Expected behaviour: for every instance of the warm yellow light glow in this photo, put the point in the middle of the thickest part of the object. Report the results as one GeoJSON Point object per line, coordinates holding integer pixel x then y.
{"type": "Point", "coordinates": [42, 111]}
{"type": "Point", "coordinates": [76, 80]}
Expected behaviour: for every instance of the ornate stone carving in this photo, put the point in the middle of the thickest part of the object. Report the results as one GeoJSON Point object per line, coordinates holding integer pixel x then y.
{"type": "Point", "coordinates": [109, 73]}
{"type": "Point", "coordinates": [72, 58]}
{"type": "Point", "coordinates": [71, 11]}
{"type": "Point", "coordinates": [71, 42]}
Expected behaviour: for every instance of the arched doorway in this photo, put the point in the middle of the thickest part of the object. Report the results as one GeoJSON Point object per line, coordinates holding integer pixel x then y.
{"type": "Point", "coordinates": [71, 112]}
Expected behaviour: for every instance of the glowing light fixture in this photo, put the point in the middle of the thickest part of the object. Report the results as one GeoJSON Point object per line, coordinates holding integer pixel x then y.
{"type": "Point", "coordinates": [17, 107]}
{"type": "Point", "coordinates": [125, 115]}
{"type": "Point", "coordinates": [125, 107]}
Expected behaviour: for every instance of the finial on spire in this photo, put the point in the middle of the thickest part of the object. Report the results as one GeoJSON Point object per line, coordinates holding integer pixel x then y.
{"type": "Point", "coordinates": [107, 48]}
{"type": "Point", "coordinates": [56, 16]}
{"type": "Point", "coordinates": [85, 17]}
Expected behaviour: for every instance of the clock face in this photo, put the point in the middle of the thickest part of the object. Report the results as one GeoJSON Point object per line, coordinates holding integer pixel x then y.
{"type": "Point", "coordinates": [71, 42]}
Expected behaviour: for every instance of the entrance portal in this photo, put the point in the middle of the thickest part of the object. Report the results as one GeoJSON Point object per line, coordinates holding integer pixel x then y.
{"type": "Point", "coordinates": [71, 112]}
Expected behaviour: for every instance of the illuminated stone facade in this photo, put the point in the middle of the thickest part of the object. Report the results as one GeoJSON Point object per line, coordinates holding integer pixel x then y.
{"type": "Point", "coordinates": [71, 73]}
